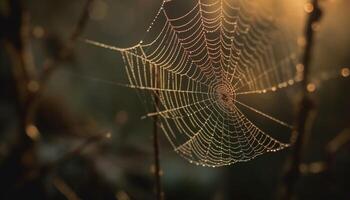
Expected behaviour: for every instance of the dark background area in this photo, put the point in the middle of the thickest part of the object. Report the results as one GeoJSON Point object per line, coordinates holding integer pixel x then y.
{"type": "Point", "coordinates": [85, 138]}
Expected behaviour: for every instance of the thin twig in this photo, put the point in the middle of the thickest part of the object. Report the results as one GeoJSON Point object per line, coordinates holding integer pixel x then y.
{"type": "Point", "coordinates": [51, 65]}
{"type": "Point", "coordinates": [16, 39]}
{"type": "Point", "coordinates": [15, 44]}
{"type": "Point", "coordinates": [157, 171]}
{"type": "Point", "coordinates": [306, 105]}
{"type": "Point", "coordinates": [337, 143]}
{"type": "Point", "coordinates": [76, 151]}
{"type": "Point", "coordinates": [65, 189]}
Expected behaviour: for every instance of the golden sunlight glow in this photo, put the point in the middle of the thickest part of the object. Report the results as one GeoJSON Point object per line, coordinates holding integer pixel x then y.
{"type": "Point", "coordinates": [299, 67]}
{"type": "Point", "coordinates": [32, 132]}
{"type": "Point", "coordinates": [311, 87]}
{"type": "Point", "coordinates": [345, 72]}
{"type": "Point", "coordinates": [308, 7]}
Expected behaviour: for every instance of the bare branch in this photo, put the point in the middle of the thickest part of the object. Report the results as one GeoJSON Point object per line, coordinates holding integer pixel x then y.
{"type": "Point", "coordinates": [306, 105]}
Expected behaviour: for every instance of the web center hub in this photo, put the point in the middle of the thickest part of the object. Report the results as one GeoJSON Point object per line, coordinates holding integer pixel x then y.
{"type": "Point", "coordinates": [225, 96]}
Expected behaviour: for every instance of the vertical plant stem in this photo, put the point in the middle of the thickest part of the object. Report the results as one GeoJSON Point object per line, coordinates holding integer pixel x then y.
{"type": "Point", "coordinates": [158, 186]}
{"type": "Point", "coordinates": [306, 105]}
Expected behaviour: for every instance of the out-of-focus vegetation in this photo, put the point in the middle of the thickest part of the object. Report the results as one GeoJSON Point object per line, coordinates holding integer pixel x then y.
{"type": "Point", "coordinates": [66, 135]}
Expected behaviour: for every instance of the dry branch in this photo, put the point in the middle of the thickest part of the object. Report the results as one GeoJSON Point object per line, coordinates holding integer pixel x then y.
{"type": "Point", "coordinates": [306, 105]}
{"type": "Point", "coordinates": [16, 38]}
{"type": "Point", "coordinates": [157, 171]}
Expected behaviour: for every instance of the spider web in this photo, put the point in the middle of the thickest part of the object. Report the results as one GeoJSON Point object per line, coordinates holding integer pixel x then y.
{"type": "Point", "coordinates": [198, 65]}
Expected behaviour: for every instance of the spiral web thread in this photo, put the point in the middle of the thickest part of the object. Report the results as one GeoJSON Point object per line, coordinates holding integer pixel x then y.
{"type": "Point", "coordinates": [199, 64]}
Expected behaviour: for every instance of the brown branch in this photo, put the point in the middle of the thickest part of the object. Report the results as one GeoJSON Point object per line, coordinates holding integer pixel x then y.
{"type": "Point", "coordinates": [15, 42]}
{"type": "Point", "coordinates": [84, 17]}
{"type": "Point", "coordinates": [15, 39]}
{"type": "Point", "coordinates": [157, 171]}
{"type": "Point", "coordinates": [65, 189]}
{"type": "Point", "coordinates": [336, 144]}
{"type": "Point", "coordinates": [306, 105]}
{"type": "Point", "coordinates": [75, 151]}
{"type": "Point", "coordinates": [51, 65]}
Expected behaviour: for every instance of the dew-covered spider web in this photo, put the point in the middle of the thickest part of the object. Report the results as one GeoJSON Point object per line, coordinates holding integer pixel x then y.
{"type": "Point", "coordinates": [197, 64]}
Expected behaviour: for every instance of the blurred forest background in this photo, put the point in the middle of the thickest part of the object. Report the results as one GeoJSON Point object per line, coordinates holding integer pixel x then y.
{"type": "Point", "coordinates": [65, 134]}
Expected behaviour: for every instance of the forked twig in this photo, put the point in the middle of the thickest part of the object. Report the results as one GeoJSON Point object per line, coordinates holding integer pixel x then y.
{"type": "Point", "coordinates": [51, 65]}
{"type": "Point", "coordinates": [16, 37]}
